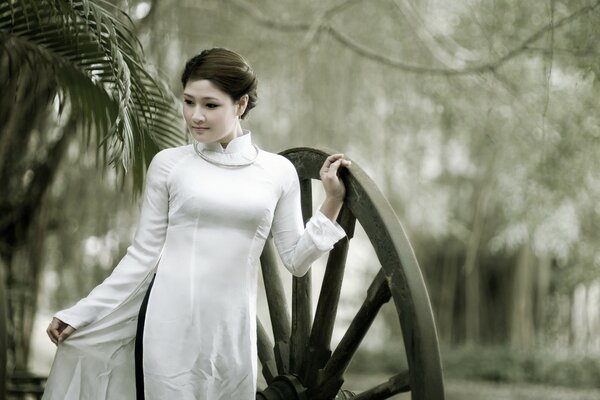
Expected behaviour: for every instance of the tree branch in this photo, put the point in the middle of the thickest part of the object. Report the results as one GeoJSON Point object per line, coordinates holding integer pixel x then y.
{"type": "Point", "coordinates": [366, 52]}
{"type": "Point", "coordinates": [562, 51]}
{"type": "Point", "coordinates": [289, 26]}
{"type": "Point", "coordinates": [338, 8]}
{"type": "Point", "coordinates": [262, 19]}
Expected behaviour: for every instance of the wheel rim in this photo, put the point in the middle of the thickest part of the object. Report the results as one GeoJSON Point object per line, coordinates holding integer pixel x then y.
{"type": "Point", "coordinates": [300, 364]}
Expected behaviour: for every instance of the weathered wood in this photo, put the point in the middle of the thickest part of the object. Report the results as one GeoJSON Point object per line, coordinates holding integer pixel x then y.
{"type": "Point", "coordinates": [306, 198]}
{"type": "Point", "coordinates": [265, 352]}
{"type": "Point", "coordinates": [3, 346]}
{"type": "Point", "coordinates": [278, 308]}
{"type": "Point", "coordinates": [399, 264]}
{"type": "Point", "coordinates": [301, 320]}
{"type": "Point", "coordinates": [320, 339]}
{"type": "Point", "coordinates": [332, 377]}
{"type": "Point", "coordinates": [399, 383]}
{"type": "Point", "coordinates": [399, 278]}
{"type": "Point", "coordinates": [301, 296]}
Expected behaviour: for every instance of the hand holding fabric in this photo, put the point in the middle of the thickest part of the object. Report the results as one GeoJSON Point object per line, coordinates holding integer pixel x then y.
{"type": "Point", "coordinates": [59, 331]}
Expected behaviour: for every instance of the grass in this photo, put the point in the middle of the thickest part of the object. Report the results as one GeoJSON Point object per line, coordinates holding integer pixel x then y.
{"type": "Point", "coordinates": [497, 364]}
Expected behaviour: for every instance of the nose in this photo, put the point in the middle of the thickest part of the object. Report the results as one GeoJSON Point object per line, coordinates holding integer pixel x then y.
{"type": "Point", "coordinates": [198, 115]}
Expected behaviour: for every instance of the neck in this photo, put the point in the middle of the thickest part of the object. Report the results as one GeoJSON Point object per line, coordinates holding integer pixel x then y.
{"type": "Point", "coordinates": [238, 131]}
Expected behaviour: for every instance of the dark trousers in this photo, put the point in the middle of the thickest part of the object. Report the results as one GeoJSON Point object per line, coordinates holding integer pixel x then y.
{"type": "Point", "coordinates": [139, 344]}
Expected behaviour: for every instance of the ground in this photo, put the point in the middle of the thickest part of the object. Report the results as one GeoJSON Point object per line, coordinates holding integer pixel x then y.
{"type": "Point", "coordinates": [468, 390]}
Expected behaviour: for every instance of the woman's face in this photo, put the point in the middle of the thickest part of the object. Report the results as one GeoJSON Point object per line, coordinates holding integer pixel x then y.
{"type": "Point", "coordinates": [211, 114]}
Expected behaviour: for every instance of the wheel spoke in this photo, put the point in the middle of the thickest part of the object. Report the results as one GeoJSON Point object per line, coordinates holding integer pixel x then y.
{"type": "Point", "coordinates": [399, 383]}
{"type": "Point", "coordinates": [278, 309]}
{"type": "Point", "coordinates": [301, 320]}
{"type": "Point", "coordinates": [306, 199]}
{"type": "Point", "coordinates": [265, 352]}
{"type": "Point", "coordinates": [331, 378]}
{"type": "Point", "coordinates": [325, 314]}
{"type": "Point", "coordinates": [301, 295]}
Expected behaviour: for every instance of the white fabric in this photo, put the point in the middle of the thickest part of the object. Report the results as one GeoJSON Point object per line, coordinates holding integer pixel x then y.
{"type": "Point", "coordinates": [202, 229]}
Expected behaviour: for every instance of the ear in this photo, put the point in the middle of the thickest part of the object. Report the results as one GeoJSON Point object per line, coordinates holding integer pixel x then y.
{"type": "Point", "coordinates": [242, 104]}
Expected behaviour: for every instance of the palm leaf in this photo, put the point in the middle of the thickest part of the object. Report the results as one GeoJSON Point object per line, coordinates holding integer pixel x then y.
{"type": "Point", "coordinates": [90, 49]}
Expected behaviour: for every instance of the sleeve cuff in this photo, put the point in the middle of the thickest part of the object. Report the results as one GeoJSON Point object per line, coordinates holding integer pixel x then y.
{"type": "Point", "coordinates": [72, 320]}
{"type": "Point", "coordinates": [323, 231]}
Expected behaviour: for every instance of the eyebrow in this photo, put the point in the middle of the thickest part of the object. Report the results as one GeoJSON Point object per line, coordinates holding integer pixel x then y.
{"type": "Point", "coordinates": [203, 98]}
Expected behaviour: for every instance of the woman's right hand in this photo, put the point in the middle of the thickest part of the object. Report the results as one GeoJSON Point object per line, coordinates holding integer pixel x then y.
{"type": "Point", "coordinates": [59, 330]}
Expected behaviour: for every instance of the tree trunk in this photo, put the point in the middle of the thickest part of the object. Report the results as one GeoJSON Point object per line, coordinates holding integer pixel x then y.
{"type": "Point", "coordinates": [29, 158]}
{"type": "Point", "coordinates": [24, 258]}
{"type": "Point", "coordinates": [579, 320]}
{"type": "Point", "coordinates": [472, 278]}
{"type": "Point", "coordinates": [447, 297]}
{"type": "Point", "coordinates": [521, 327]}
{"type": "Point", "coordinates": [3, 330]}
{"type": "Point", "coordinates": [22, 295]}
{"type": "Point", "coordinates": [542, 299]}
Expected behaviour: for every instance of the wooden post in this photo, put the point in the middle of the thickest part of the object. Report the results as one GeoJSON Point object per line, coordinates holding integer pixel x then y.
{"type": "Point", "coordinates": [3, 347]}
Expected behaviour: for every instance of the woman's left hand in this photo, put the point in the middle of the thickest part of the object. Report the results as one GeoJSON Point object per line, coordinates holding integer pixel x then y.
{"type": "Point", "coordinates": [334, 187]}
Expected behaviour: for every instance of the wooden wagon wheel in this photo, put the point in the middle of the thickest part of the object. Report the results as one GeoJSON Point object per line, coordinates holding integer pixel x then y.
{"type": "Point", "coordinates": [300, 365]}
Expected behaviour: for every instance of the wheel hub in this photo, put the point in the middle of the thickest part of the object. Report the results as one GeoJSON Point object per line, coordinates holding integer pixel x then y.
{"type": "Point", "coordinates": [289, 387]}
{"type": "Point", "coordinates": [284, 387]}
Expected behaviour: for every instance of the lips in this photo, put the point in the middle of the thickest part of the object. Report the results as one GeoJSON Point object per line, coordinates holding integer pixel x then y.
{"type": "Point", "coordinates": [199, 128]}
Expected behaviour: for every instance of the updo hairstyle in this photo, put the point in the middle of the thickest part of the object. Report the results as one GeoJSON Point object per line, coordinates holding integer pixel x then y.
{"type": "Point", "coordinates": [227, 70]}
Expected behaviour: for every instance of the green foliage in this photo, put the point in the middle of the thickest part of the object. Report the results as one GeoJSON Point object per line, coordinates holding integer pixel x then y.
{"type": "Point", "coordinates": [90, 50]}
{"type": "Point", "coordinates": [498, 365]}
{"type": "Point", "coordinates": [503, 365]}
{"type": "Point", "coordinates": [494, 364]}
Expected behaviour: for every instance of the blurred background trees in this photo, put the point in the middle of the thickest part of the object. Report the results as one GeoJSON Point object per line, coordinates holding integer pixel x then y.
{"type": "Point", "coordinates": [475, 118]}
{"type": "Point", "coordinates": [69, 71]}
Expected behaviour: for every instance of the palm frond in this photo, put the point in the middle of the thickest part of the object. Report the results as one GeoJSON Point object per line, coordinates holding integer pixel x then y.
{"type": "Point", "coordinates": [90, 49]}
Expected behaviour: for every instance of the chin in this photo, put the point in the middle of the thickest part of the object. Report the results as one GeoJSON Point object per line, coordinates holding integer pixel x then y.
{"type": "Point", "coordinates": [202, 138]}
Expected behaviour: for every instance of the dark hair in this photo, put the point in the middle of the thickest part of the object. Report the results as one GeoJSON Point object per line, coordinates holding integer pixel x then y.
{"type": "Point", "coordinates": [226, 69]}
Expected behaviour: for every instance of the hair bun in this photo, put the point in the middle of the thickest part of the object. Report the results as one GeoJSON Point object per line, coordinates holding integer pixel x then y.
{"type": "Point", "coordinates": [227, 70]}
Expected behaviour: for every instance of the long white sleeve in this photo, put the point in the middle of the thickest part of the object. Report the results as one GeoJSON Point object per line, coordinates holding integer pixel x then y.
{"type": "Point", "coordinates": [142, 255]}
{"type": "Point", "coordinates": [299, 247]}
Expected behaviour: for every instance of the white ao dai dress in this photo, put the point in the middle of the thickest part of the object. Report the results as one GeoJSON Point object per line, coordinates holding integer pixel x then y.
{"type": "Point", "coordinates": [202, 229]}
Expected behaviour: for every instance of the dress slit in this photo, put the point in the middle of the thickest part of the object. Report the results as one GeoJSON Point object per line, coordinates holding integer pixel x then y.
{"type": "Point", "coordinates": [139, 345]}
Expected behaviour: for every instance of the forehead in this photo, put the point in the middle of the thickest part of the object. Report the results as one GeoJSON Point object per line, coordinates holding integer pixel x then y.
{"type": "Point", "coordinates": [203, 88]}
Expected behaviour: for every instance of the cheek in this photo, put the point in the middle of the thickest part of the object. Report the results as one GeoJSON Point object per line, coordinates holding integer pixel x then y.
{"type": "Point", "coordinates": [230, 114]}
{"type": "Point", "coordinates": [222, 116]}
{"type": "Point", "coordinates": [186, 114]}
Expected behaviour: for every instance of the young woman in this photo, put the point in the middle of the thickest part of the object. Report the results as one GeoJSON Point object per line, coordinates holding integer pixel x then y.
{"type": "Point", "coordinates": [191, 271]}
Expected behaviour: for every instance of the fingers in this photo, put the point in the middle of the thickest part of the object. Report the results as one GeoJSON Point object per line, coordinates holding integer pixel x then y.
{"type": "Point", "coordinates": [58, 331]}
{"type": "Point", "coordinates": [332, 163]}
{"type": "Point", "coordinates": [53, 330]}
{"type": "Point", "coordinates": [333, 158]}
{"type": "Point", "coordinates": [66, 333]}
{"type": "Point", "coordinates": [333, 168]}
{"type": "Point", "coordinates": [329, 160]}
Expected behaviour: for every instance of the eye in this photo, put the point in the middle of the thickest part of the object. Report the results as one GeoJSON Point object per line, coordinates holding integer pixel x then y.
{"type": "Point", "coordinates": [212, 105]}
{"type": "Point", "coordinates": [188, 101]}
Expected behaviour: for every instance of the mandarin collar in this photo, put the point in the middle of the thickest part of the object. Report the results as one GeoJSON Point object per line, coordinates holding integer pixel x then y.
{"type": "Point", "coordinates": [240, 144]}
{"type": "Point", "coordinates": [239, 152]}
